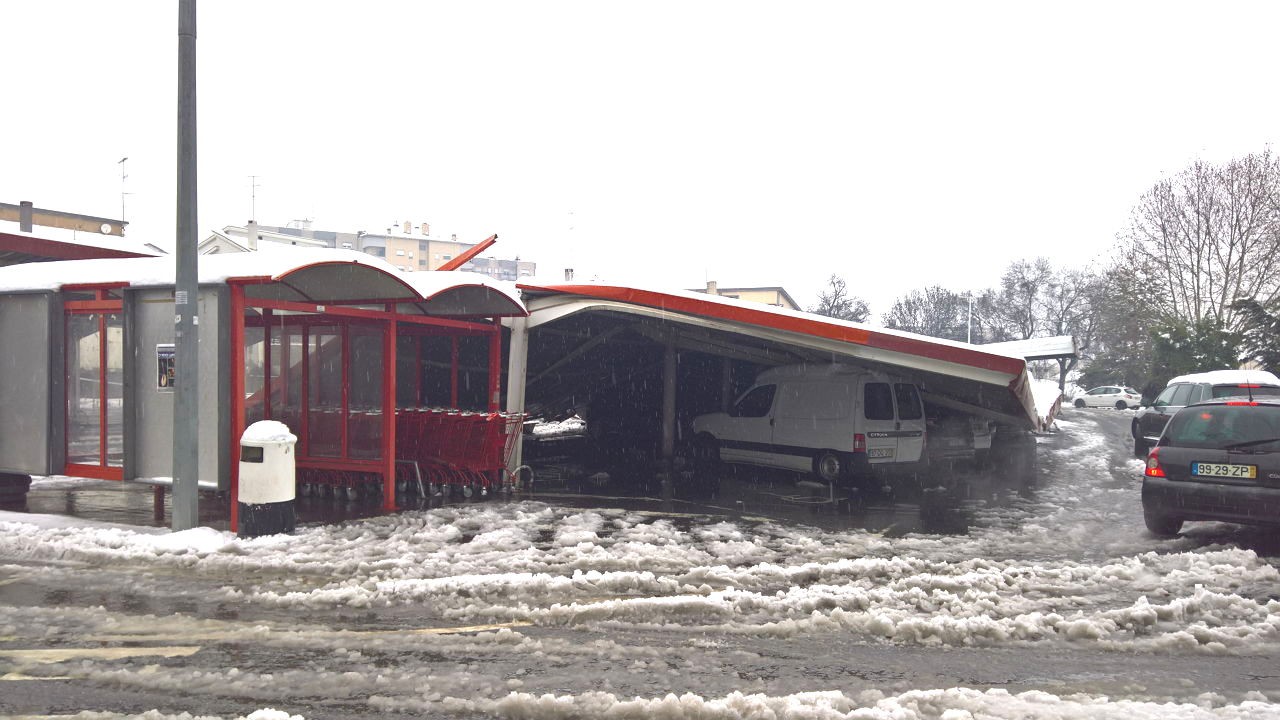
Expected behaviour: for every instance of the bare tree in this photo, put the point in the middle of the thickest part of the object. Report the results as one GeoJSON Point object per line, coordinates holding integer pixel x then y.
{"type": "Point", "coordinates": [936, 312]}
{"type": "Point", "coordinates": [1019, 305]}
{"type": "Point", "coordinates": [1067, 305]}
{"type": "Point", "coordinates": [1206, 236]}
{"type": "Point", "coordinates": [836, 302]}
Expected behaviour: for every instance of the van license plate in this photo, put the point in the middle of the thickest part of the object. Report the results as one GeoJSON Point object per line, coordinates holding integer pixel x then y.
{"type": "Point", "coordinates": [1224, 470]}
{"type": "Point", "coordinates": [880, 452]}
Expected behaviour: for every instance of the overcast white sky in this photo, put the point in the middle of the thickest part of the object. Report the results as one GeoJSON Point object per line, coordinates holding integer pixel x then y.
{"type": "Point", "coordinates": [657, 143]}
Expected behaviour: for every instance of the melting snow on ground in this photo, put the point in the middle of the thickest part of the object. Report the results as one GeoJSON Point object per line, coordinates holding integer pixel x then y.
{"type": "Point", "coordinates": [1066, 569]}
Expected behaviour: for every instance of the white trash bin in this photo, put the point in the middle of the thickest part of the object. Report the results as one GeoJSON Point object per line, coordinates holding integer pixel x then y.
{"type": "Point", "coordinates": [267, 479]}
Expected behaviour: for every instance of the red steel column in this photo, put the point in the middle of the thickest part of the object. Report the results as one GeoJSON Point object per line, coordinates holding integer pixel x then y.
{"type": "Point", "coordinates": [345, 329]}
{"type": "Point", "coordinates": [389, 413]}
{"type": "Point", "coordinates": [453, 372]}
{"type": "Point", "coordinates": [266, 364]}
{"type": "Point", "coordinates": [495, 367]}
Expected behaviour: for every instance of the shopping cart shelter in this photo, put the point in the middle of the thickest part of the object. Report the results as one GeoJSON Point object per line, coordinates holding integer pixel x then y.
{"type": "Point", "coordinates": [354, 356]}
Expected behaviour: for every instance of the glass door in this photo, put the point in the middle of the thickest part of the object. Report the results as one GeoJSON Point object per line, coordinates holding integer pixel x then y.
{"type": "Point", "coordinates": [95, 395]}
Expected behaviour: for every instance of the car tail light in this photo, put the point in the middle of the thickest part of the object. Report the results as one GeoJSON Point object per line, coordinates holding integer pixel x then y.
{"type": "Point", "coordinates": [1153, 464]}
{"type": "Point", "coordinates": [1242, 402]}
{"type": "Point", "coordinates": [1248, 385]}
{"type": "Point", "coordinates": [859, 442]}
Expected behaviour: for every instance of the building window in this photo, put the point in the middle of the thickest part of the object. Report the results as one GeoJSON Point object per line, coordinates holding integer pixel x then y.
{"type": "Point", "coordinates": [448, 257]}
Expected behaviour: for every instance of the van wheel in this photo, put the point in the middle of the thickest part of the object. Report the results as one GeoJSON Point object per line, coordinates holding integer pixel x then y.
{"type": "Point", "coordinates": [828, 466]}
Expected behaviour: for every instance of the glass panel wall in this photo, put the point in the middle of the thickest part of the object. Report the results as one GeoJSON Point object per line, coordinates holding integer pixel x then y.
{"type": "Point", "coordinates": [84, 390]}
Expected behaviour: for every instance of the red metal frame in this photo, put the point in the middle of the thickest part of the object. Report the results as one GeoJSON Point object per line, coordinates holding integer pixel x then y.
{"type": "Point", "coordinates": [389, 413]}
{"type": "Point", "coordinates": [101, 306]}
{"type": "Point", "coordinates": [471, 252]}
{"type": "Point", "coordinates": [392, 324]}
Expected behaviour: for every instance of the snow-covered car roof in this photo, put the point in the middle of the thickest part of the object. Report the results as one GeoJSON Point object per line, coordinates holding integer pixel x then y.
{"type": "Point", "coordinates": [448, 292]}
{"type": "Point", "coordinates": [1228, 377]}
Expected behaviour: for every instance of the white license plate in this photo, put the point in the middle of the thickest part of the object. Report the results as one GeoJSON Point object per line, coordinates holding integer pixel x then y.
{"type": "Point", "coordinates": [1224, 470]}
{"type": "Point", "coordinates": [880, 453]}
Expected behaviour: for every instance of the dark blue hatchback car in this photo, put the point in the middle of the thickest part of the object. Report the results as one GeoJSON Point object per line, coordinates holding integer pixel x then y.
{"type": "Point", "coordinates": [1216, 460]}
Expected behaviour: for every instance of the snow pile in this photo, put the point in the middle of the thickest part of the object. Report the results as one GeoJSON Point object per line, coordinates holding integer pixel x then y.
{"type": "Point", "coordinates": [1048, 399]}
{"type": "Point", "coordinates": [569, 426]}
{"type": "Point", "coordinates": [268, 432]}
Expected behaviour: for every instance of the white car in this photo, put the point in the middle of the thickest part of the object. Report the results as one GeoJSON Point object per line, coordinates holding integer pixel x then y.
{"type": "Point", "coordinates": [1110, 396]}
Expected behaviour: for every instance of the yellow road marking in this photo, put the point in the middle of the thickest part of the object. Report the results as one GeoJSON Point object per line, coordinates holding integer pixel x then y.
{"type": "Point", "coordinates": [55, 655]}
{"type": "Point", "coordinates": [20, 676]}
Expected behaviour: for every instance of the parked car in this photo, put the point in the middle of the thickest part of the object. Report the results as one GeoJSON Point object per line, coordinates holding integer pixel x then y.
{"type": "Point", "coordinates": [1216, 460]}
{"type": "Point", "coordinates": [1188, 389]}
{"type": "Point", "coordinates": [835, 421]}
{"type": "Point", "coordinates": [1116, 396]}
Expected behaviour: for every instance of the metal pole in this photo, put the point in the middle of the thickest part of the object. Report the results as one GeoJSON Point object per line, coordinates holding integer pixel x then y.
{"type": "Point", "coordinates": [186, 405]}
{"type": "Point", "coordinates": [669, 368]}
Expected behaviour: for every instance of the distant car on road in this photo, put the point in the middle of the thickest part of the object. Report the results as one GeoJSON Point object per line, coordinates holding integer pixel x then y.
{"type": "Point", "coordinates": [1217, 460]}
{"type": "Point", "coordinates": [1188, 389]}
{"type": "Point", "coordinates": [1116, 396]}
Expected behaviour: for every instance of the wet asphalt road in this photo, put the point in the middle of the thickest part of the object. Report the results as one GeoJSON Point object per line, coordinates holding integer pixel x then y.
{"type": "Point", "coordinates": [338, 662]}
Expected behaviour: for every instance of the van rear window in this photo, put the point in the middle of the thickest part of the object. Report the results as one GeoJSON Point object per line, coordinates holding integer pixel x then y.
{"type": "Point", "coordinates": [908, 401]}
{"type": "Point", "coordinates": [877, 401]}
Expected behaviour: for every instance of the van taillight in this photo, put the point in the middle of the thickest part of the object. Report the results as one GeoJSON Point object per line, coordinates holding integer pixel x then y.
{"type": "Point", "coordinates": [859, 442]}
{"type": "Point", "coordinates": [1153, 464]}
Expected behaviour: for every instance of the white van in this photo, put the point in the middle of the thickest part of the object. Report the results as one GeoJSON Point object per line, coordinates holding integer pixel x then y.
{"type": "Point", "coordinates": [836, 421]}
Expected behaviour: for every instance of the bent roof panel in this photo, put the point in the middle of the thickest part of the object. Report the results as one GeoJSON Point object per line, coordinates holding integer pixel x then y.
{"type": "Point", "coordinates": [893, 347]}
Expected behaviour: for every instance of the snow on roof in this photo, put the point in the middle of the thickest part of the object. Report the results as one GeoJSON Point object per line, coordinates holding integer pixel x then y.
{"type": "Point", "coordinates": [268, 261]}
{"type": "Point", "coordinates": [1222, 377]}
{"type": "Point", "coordinates": [1044, 348]}
{"type": "Point", "coordinates": [735, 307]}
{"type": "Point", "coordinates": [55, 236]}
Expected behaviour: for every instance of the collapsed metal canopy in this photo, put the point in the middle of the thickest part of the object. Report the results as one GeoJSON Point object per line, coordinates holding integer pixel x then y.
{"type": "Point", "coordinates": [954, 375]}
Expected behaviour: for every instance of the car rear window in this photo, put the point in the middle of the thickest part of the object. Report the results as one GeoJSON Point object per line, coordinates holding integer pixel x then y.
{"type": "Point", "coordinates": [1223, 391]}
{"type": "Point", "coordinates": [1220, 426]}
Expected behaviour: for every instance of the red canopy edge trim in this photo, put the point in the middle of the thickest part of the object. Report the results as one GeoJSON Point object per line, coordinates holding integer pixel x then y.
{"type": "Point", "coordinates": [789, 323]}
{"type": "Point", "coordinates": [62, 250]}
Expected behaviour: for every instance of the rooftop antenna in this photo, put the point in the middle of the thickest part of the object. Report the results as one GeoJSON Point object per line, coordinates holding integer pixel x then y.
{"type": "Point", "coordinates": [123, 176]}
{"type": "Point", "coordinates": [253, 196]}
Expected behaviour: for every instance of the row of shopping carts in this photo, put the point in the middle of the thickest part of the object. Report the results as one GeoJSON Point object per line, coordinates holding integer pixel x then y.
{"type": "Point", "coordinates": [440, 449]}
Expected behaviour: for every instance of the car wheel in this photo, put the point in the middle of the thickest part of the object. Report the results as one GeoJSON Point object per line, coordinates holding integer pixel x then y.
{"type": "Point", "coordinates": [1139, 446]}
{"type": "Point", "coordinates": [1161, 525]}
{"type": "Point", "coordinates": [1079, 402]}
{"type": "Point", "coordinates": [828, 466]}
{"type": "Point", "coordinates": [1121, 406]}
